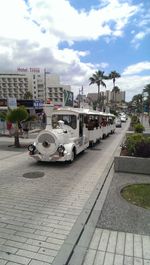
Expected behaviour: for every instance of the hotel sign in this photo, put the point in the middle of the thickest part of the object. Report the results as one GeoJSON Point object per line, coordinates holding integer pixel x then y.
{"type": "Point", "coordinates": [28, 70]}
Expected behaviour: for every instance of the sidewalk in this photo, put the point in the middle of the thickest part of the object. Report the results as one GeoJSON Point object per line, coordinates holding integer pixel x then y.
{"type": "Point", "coordinates": [118, 248]}
{"type": "Point", "coordinates": [122, 234]}
{"type": "Point", "coordinates": [30, 132]}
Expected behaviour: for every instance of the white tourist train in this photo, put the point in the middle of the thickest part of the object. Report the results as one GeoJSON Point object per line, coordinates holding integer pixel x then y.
{"type": "Point", "coordinates": [69, 131]}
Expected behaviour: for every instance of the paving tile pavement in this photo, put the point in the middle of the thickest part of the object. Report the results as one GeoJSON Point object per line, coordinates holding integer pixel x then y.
{"type": "Point", "coordinates": [109, 247]}
{"type": "Point", "coordinates": [36, 216]}
{"type": "Point", "coordinates": [33, 229]}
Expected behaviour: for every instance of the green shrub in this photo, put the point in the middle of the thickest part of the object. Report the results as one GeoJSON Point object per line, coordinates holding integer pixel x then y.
{"type": "Point", "coordinates": [139, 128]}
{"type": "Point", "coordinates": [135, 119]}
{"type": "Point", "coordinates": [138, 145]}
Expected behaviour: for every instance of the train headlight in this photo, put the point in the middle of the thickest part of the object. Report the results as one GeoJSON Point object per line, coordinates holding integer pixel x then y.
{"type": "Point", "coordinates": [31, 148]}
{"type": "Point", "coordinates": [61, 149]}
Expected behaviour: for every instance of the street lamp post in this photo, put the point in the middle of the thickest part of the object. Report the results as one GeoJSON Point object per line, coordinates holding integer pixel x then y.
{"type": "Point", "coordinates": [144, 98]}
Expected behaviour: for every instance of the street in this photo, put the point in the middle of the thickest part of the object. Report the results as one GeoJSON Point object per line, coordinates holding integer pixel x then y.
{"type": "Point", "coordinates": [37, 212]}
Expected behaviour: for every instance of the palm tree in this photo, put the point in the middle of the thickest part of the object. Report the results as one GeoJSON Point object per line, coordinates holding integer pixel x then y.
{"type": "Point", "coordinates": [115, 90]}
{"type": "Point", "coordinates": [113, 75]}
{"type": "Point", "coordinates": [97, 78]}
{"type": "Point", "coordinates": [15, 116]}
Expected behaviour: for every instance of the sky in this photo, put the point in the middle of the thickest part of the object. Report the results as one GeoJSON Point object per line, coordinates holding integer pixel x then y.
{"type": "Point", "coordinates": [75, 38]}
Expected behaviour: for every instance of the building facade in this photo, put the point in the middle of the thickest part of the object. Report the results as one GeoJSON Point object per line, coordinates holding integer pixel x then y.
{"type": "Point", "coordinates": [13, 85]}
{"type": "Point", "coordinates": [109, 99]}
{"type": "Point", "coordinates": [43, 86]}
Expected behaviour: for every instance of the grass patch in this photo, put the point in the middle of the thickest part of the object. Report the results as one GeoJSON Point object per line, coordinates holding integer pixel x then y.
{"type": "Point", "coordinates": [137, 194]}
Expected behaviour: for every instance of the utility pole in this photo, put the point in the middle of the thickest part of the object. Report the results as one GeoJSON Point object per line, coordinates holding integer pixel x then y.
{"type": "Point", "coordinates": [80, 95]}
{"type": "Point", "coordinates": [45, 84]}
{"type": "Point", "coordinates": [144, 98]}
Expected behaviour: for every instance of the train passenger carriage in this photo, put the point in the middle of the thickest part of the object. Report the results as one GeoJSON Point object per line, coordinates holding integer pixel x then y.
{"type": "Point", "coordinates": [69, 131]}
{"type": "Point", "coordinates": [93, 126]}
{"type": "Point", "coordinates": [111, 121]}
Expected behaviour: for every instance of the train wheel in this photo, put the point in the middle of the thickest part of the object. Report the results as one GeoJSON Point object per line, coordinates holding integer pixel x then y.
{"type": "Point", "coordinates": [91, 143]}
{"type": "Point", "coordinates": [73, 155]}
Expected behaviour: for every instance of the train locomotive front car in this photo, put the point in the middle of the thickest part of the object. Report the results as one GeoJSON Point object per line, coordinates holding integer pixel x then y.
{"type": "Point", "coordinates": [62, 139]}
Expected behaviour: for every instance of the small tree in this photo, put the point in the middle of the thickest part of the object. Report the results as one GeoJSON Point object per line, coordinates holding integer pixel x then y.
{"type": "Point", "coordinates": [28, 95]}
{"type": "Point", "coordinates": [15, 116]}
{"type": "Point", "coordinates": [147, 89]}
{"type": "Point", "coordinates": [139, 128]}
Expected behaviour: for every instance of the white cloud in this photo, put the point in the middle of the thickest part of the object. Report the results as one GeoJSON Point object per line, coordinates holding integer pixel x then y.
{"type": "Point", "coordinates": [70, 24]}
{"type": "Point", "coordinates": [136, 68]}
{"type": "Point", "coordinates": [30, 35]}
{"type": "Point", "coordinates": [29, 31]}
{"type": "Point", "coordinates": [133, 85]}
{"type": "Point", "coordinates": [136, 41]}
{"type": "Point", "coordinates": [142, 23]}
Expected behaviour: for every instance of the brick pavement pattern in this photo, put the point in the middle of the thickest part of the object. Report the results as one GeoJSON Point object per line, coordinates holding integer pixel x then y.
{"type": "Point", "coordinates": [37, 215]}
{"type": "Point", "coordinates": [109, 247]}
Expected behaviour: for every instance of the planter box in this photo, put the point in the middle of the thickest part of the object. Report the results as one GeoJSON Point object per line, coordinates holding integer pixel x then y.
{"type": "Point", "coordinates": [132, 164]}
{"type": "Point", "coordinates": [146, 134]}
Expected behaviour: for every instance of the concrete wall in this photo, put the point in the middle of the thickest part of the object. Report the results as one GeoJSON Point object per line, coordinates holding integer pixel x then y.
{"type": "Point", "coordinates": [131, 164]}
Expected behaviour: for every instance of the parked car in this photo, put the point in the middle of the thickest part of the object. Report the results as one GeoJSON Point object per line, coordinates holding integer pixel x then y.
{"type": "Point", "coordinates": [118, 122]}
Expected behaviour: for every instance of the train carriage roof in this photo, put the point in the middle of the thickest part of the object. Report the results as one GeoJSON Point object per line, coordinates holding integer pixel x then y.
{"type": "Point", "coordinates": [69, 110]}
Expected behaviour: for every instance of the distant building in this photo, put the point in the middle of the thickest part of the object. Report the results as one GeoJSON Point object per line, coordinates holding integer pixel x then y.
{"type": "Point", "coordinates": [55, 90]}
{"type": "Point", "coordinates": [92, 97]}
{"type": "Point", "coordinates": [108, 98]}
{"type": "Point", "coordinates": [117, 97]}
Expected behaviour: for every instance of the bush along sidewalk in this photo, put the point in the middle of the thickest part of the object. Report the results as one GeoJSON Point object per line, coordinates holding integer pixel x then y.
{"type": "Point", "coordinates": [136, 145]}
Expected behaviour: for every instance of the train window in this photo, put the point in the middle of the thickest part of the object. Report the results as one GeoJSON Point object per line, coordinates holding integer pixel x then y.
{"type": "Point", "coordinates": [69, 120]}
{"type": "Point", "coordinates": [85, 119]}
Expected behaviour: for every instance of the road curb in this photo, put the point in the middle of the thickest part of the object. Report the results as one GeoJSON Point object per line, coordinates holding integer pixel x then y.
{"type": "Point", "coordinates": [75, 247]}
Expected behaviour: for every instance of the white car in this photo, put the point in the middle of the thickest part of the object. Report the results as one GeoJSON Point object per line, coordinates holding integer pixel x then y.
{"type": "Point", "coordinates": [123, 118]}
{"type": "Point", "coordinates": [118, 122]}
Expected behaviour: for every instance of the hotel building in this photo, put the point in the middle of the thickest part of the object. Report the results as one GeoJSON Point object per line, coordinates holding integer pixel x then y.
{"type": "Point", "coordinates": [42, 85]}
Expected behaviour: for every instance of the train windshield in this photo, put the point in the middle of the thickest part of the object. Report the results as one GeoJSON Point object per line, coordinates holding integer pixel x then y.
{"type": "Point", "coordinates": [70, 120]}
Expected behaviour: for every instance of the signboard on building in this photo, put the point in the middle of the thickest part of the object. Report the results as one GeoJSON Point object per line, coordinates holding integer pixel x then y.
{"type": "Point", "coordinates": [68, 98]}
{"type": "Point", "coordinates": [38, 104]}
{"type": "Point", "coordinates": [26, 70]}
{"type": "Point", "coordinates": [12, 103]}
{"type": "Point", "coordinates": [29, 103]}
